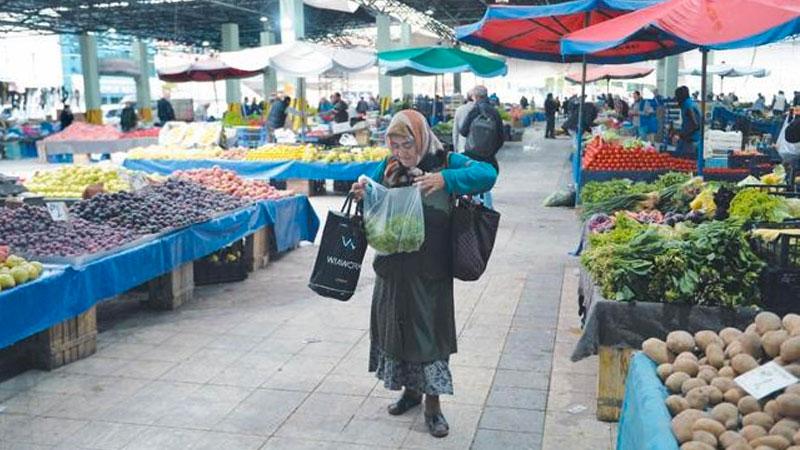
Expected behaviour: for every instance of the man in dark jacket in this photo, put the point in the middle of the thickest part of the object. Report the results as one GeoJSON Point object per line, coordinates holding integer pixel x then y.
{"type": "Point", "coordinates": [164, 110]}
{"type": "Point", "coordinates": [340, 114]}
{"type": "Point", "coordinates": [485, 108]}
{"type": "Point", "coordinates": [277, 113]}
{"type": "Point", "coordinates": [689, 135]}
{"type": "Point", "coordinates": [550, 110]}
{"type": "Point", "coordinates": [128, 119]}
{"type": "Point", "coordinates": [362, 107]}
{"type": "Point", "coordinates": [66, 117]}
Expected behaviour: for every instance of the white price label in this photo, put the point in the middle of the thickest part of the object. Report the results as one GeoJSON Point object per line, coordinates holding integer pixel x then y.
{"type": "Point", "coordinates": [764, 380]}
{"type": "Point", "coordinates": [58, 211]}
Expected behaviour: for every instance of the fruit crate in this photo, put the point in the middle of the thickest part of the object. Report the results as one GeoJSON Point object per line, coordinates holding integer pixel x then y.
{"type": "Point", "coordinates": [746, 161]}
{"type": "Point", "coordinates": [226, 265]}
{"type": "Point", "coordinates": [342, 187]}
{"type": "Point", "coordinates": [784, 251]}
{"type": "Point", "coordinates": [63, 343]}
{"type": "Point", "coordinates": [780, 289]}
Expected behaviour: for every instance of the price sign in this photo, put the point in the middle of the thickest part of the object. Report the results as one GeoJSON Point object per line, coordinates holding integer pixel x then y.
{"type": "Point", "coordinates": [764, 380]}
{"type": "Point", "coordinates": [58, 211]}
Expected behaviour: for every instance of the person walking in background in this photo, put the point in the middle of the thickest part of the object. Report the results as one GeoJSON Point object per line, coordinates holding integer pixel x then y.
{"type": "Point", "coordinates": [523, 102]}
{"type": "Point", "coordinates": [362, 107]}
{"type": "Point", "coordinates": [760, 105]}
{"type": "Point", "coordinates": [493, 137]}
{"type": "Point", "coordinates": [412, 320]}
{"type": "Point", "coordinates": [277, 115]}
{"type": "Point", "coordinates": [459, 117]}
{"type": "Point", "coordinates": [340, 114]}
{"type": "Point", "coordinates": [164, 109]}
{"type": "Point", "coordinates": [66, 117]}
{"type": "Point", "coordinates": [254, 107]}
{"type": "Point", "coordinates": [550, 110]}
{"type": "Point", "coordinates": [128, 119]}
{"type": "Point", "coordinates": [779, 104]}
{"type": "Point", "coordinates": [689, 135]}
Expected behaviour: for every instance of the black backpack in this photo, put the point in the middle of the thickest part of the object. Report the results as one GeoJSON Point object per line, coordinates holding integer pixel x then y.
{"type": "Point", "coordinates": [484, 138]}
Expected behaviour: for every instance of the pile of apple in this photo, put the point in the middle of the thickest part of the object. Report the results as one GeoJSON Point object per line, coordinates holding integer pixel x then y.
{"type": "Point", "coordinates": [71, 181]}
{"type": "Point", "coordinates": [228, 182]}
{"type": "Point", "coordinates": [15, 270]}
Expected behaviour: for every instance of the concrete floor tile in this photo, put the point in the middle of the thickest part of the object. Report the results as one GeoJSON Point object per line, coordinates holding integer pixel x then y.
{"type": "Point", "coordinates": [384, 432]}
{"type": "Point", "coordinates": [168, 353]}
{"type": "Point", "coordinates": [506, 440]}
{"type": "Point", "coordinates": [103, 435]}
{"type": "Point", "coordinates": [513, 419]}
{"type": "Point", "coordinates": [512, 397]}
{"type": "Point", "coordinates": [522, 379]}
{"type": "Point", "coordinates": [96, 365]}
{"type": "Point", "coordinates": [125, 350]}
{"type": "Point", "coordinates": [165, 438]}
{"type": "Point", "coordinates": [235, 342]}
{"type": "Point", "coordinates": [144, 369]}
{"type": "Point", "coordinates": [261, 413]}
{"type": "Point", "coordinates": [31, 403]}
{"type": "Point", "coordinates": [40, 430]}
{"type": "Point", "coordinates": [579, 430]}
{"type": "Point", "coordinates": [348, 385]}
{"type": "Point", "coordinates": [213, 440]}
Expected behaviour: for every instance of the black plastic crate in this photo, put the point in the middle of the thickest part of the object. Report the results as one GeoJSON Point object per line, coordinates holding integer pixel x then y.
{"type": "Point", "coordinates": [342, 187]}
{"type": "Point", "coordinates": [781, 253]}
{"type": "Point", "coordinates": [226, 265]}
{"type": "Point", "coordinates": [780, 290]}
{"type": "Point", "coordinates": [746, 161]}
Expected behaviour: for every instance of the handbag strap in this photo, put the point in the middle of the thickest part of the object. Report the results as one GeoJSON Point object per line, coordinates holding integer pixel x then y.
{"type": "Point", "coordinates": [347, 207]}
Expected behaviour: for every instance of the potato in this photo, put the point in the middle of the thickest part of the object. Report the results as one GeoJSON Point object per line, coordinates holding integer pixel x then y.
{"type": "Point", "coordinates": [707, 373]}
{"type": "Point", "coordinates": [751, 329]}
{"type": "Point", "coordinates": [686, 355]}
{"type": "Point", "coordinates": [771, 408]}
{"type": "Point", "coordinates": [682, 424]}
{"type": "Point", "coordinates": [748, 404]}
{"type": "Point", "coordinates": [796, 438]}
{"type": "Point", "coordinates": [790, 349]}
{"type": "Point", "coordinates": [664, 370]}
{"type": "Point", "coordinates": [764, 447]}
{"type": "Point", "coordinates": [793, 369]}
{"type": "Point", "coordinates": [743, 362]}
{"type": "Point", "coordinates": [676, 404]}
{"type": "Point", "coordinates": [705, 337]}
{"type": "Point", "coordinates": [767, 321]}
{"type": "Point", "coordinates": [789, 405]}
{"type": "Point", "coordinates": [726, 414]}
{"type": "Point", "coordinates": [739, 446]}
{"type": "Point", "coordinates": [793, 389]}
{"type": "Point", "coordinates": [782, 430]}
{"type": "Point", "coordinates": [715, 356]}
{"type": "Point", "coordinates": [791, 423]}
{"type": "Point", "coordinates": [727, 372]}
{"type": "Point", "coordinates": [696, 445]}
{"type": "Point", "coordinates": [702, 361]}
{"type": "Point", "coordinates": [686, 366]}
{"type": "Point", "coordinates": [734, 395]}
{"type": "Point", "coordinates": [692, 383]}
{"type": "Point", "coordinates": [698, 398]}
{"type": "Point", "coordinates": [675, 381]}
{"type": "Point", "coordinates": [751, 344]}
{"type": "Point", "coordinates": [729, 438]}
{"type": "Point", "coordinates": [657, 350]}
{"type": "Point", "coordinates": [714, 394]}
{"type": "Point", "coordinates": [791, 322]}
{"type": "Point", "coordinates": [774, 441]}
{"type": "Point", "coordinates": [704, 437]}
{"type": "Point", "coordinates": [710, 425]}
{"type": "Point", "coordinates": [759, 418]}
{"type": "Point", "coordinates": [724, 384]}
{"type": "Point", "coordinates": [792, 447]}
{"type": "Point", "coordinates": [751, 432]}
{"type": "Point", "coordinates": [772, 340]}
{"type": "Point", "coordinates": [729, 335]}
{"type": "Point", "coordinates": [733, 349]}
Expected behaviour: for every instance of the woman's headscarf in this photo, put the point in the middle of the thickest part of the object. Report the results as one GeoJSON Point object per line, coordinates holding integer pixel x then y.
{"type": "Point", "coordinates": [410, 124]}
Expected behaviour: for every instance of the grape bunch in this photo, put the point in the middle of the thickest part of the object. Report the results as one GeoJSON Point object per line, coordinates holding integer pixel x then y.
{"type": "Point", "coordinates": [31, 230]}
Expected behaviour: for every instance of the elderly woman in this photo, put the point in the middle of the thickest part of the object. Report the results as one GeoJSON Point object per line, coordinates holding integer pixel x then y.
{"type": "Point", "coordinates": [413, 331]}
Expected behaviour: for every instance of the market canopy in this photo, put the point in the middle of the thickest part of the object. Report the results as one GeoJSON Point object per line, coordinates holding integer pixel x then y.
{"type": "Point", "coordinates": [681, 25]}
{"type": "Point", "coordinates": [725, 70]}
{"type": "Point", "coordinates": [120, 67]}
{"type": "Point", "coordinates": [610, 73]}
{"type": "Point", "coordinates": [439, 60]}
{"type": "Point", "coordinates": [207, 69]}
{"type": "Point", "coordinates": [535, 32]}
{"type": "Point", "coordinates": [300, 59]}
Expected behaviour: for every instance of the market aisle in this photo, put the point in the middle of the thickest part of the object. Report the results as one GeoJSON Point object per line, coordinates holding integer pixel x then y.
{"type": "Point", "coordinates": [266, 364]}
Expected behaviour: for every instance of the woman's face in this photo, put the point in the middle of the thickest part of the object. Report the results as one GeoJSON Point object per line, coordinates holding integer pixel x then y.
{"type": "Point", "coordinates": [404, 149]}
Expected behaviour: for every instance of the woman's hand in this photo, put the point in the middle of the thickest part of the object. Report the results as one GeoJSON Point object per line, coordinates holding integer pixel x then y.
{"type": "Point", "coordinates": [430, 182]}
{"type": "Point", "coordinates": [357, 189]}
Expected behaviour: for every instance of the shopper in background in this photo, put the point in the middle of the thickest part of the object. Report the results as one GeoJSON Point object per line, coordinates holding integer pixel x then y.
{"type": "Point", "coordinates": [201, 112]}
{"type": "Point", "coordinates": [66, 117]}
{"type": "Point", "coordinates": [484, 109]}
{"type": "Point", "coordinates": [523, 102]}
{"type": "Point", "coordinates": [277, 115]}
{"type": "Point", "coordinates": [254, 107]}
{"type": "Point", "coordinates": [550, 110]}
{"type": "Point", "coordinates": [412, 322]}
{"type": "Point", "coordinates": [164, 109]}
{"type": "Point", "coordinates": [128, 119]}
{"type": "Point", "coordinates": [779, 104]}
{"type": "Point", "coordinates": [460, 116]}
{"type": "Point", "coordinates": [362, 107]}
{"type": "Point", "coordinates": [796, 99]}
{"type": "Point", "coordinates": [760, 104]}
{"type": "Point", "coordinates": [689, 135]}
{"type": "Point", "coordinates": [340, 114]}
{"type": "Point", "coordinates": [324, 105]}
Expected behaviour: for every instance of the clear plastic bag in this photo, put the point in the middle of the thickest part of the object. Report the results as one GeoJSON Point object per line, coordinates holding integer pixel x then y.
{"type": "Point", "coordinates": [393, 218]}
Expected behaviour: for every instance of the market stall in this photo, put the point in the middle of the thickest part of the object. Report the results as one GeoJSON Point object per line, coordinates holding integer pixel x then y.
{"type": "Point", "coordinates": [84, 139]}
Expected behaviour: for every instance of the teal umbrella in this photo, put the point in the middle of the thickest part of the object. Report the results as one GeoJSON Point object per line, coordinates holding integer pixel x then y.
{"type": "Point", "coordinates": [437, 61]}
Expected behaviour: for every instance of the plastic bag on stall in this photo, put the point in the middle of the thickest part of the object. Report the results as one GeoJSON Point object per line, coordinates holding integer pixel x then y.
{"type": "Point", "coordinates": [789, 152]}
{"type": "Point", "coordinates": [393, 218]}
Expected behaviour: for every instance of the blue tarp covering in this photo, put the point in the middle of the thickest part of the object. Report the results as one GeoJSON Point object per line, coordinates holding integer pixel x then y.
{"type": "Point", "coordinates": [68, 291]}
{"type": "Point", "coordinates": [276, 170]}
{"type": "Point", "coordinates": [725, 117]}
{"type": "Point", "coordinates": [645, 423]}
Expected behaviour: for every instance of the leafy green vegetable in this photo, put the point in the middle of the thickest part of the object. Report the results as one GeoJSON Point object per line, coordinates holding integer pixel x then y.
{"type": "Point", "coordinates": [754, 204]}
{"type": "Point", "coordinates": [400, 234]}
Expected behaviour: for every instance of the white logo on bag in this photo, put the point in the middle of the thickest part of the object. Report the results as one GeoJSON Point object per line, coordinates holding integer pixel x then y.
{"type": "Point", "coordinates": [348, 243]}
{"type": "Point", "coordinates": [350, 265]}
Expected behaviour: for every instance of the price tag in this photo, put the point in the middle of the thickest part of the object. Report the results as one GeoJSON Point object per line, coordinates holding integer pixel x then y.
{"type": "Point", "coordinates": [58, 211]}
{"type": "Point", "coordinates": [764, 380]}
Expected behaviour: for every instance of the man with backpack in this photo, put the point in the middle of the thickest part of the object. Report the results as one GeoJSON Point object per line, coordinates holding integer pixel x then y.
{"type": "Point", "coordinates": [483, 129]}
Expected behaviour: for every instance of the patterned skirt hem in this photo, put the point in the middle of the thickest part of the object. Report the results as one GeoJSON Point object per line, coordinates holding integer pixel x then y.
{"type": "Point", "coordinates": [430, 378]}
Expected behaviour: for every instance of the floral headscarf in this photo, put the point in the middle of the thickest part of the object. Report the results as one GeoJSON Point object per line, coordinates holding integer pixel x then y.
{"type": "Point", "coordinates": [411, 124]}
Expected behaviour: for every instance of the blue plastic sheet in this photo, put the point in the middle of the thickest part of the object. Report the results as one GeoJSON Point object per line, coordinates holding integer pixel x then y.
{"type": "Point", "coordinates": [645, 423]}
{"type": "Point", "coordinates": [276, 170]}
{"type": "Point", "coordinates": [70, 290]}
{"type": "Point", "coordinates": [726, 117]}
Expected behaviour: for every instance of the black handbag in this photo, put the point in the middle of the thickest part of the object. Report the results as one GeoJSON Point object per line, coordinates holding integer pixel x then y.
{"type": "Point", "coordinates": [341, 252]}
{"type": "Point", "coordinates": [474, 228]}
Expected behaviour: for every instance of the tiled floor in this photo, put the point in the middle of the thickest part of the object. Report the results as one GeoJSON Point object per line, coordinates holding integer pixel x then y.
{"type": "Point", "coordinates": [266, 364]}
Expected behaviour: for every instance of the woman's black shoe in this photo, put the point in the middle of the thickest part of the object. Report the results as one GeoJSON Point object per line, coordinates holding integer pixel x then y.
{"type": "Point", "coordinates": [404, 404]}
{"type": "Point", "coordinates": [437, 425]}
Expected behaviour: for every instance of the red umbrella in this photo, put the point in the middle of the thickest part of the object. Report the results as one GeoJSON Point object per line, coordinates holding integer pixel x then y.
{"type": "Point", "coordinates": [610, 73]}
{"type": "Point", "coordinates": [208, 69]}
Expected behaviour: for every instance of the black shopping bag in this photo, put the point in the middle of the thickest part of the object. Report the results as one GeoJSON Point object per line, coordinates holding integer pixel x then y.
{"type": "Point", "coordinates": [473, 233]}
{"type": "Point", "coordinates": [341, 253]}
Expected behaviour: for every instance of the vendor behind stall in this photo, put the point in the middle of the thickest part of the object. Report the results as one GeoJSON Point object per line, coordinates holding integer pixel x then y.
{"type": "Point", "coordinates": [689, 135]}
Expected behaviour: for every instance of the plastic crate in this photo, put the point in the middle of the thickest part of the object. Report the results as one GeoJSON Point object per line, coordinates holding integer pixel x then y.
{"type": "Point", "coordinates": [13, 150]}
{"type": "Point", "coordinates": [780, 290]}
{"type": "Point", "coordinates": [342, 187]}
{"type": "Point", "coordinates": [65, 158]}
{"type": "Point", "coordinates": [746, 161]}
{"type": "Point", "coordinates": [251, 137]}
{"type": "Point", "coordinates": [226, 265]}
{"type": "Point", "coordinates": [784, 251]}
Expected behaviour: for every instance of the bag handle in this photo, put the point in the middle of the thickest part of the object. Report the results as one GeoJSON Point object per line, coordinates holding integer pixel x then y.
{"type": "Point", "coordinates": [347, 207]}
